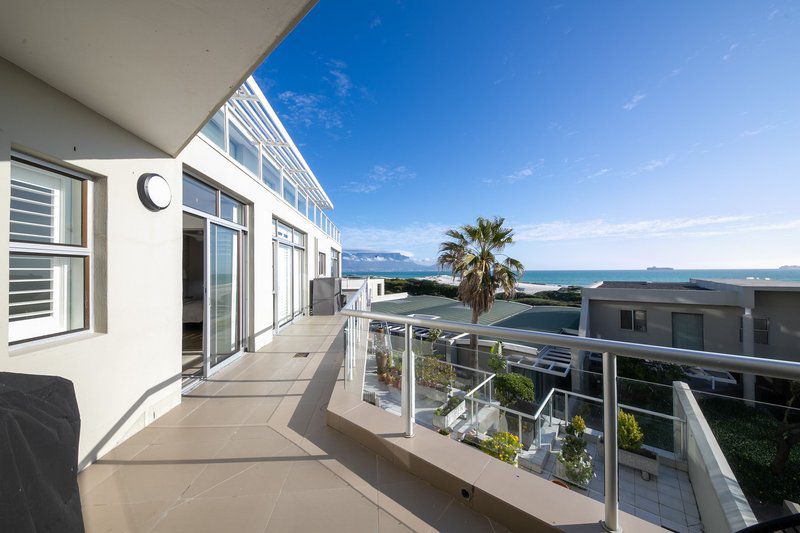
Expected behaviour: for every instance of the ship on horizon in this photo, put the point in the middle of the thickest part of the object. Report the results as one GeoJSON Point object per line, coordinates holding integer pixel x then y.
{"type": "Point", "coordinates": [659, 268]}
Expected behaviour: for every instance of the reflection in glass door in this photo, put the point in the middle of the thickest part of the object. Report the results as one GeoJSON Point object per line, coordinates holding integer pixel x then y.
{"type": "Point", "coordinates": [224, 290]}
{"type": "Point", "coordinates": [297, 282]}
{"type": "Point", "coordinates": [284, 283]}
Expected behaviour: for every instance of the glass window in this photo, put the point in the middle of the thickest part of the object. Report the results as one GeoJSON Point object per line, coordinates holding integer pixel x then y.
{"type": "Point", "coordinates": [289, 192]}
{"type": "Point", "coordinates": [302, 203]}
{"type": "Point", "coordinates": [334, 262]}
{"type": "Point", "coordinates": [199, 196]}
{"type": "Point", "coordinates": [214, 129]}
{"type": "Point", "coordinates": [322, 265]}
{"type": "Point", "coordinates": [270, 174]}
{"type": "Point", "coordinates": [230, 209]}
{"type": "Point", "coordinates": [284, 232]}
{"type": "Point", "coordinates": [47, 289]}
{"type": "Point", "coordinates": [299, 238]}
{"type": "Point", "coordinates": [687, 331]}
{"type": "Point", "coordinates": [45, 206]}
{"type": "Point", "coordinates": [242, 149]}
{"type": "Point", "coordinates": [633, 320]}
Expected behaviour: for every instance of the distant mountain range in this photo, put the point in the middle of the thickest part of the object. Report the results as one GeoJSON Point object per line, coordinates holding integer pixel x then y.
{"type": "Point", "coordinates": [381, 262]}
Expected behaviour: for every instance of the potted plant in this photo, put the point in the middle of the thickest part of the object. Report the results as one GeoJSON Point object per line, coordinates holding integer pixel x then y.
{"type": "Point", "coordinates": [434, 378]}
{"type": "Point", "coordinates": [574, 464]}
{"type": "Point", "coordinates": [502, 445]}
{"type": "Point", "coordinates": [631, 453]}
{"type": "Point", "coordinates": [382, 359]}
{"type": "Point", "coordinates": [497, 361]}
{"type": "Point", "coordinates": [447, 414]}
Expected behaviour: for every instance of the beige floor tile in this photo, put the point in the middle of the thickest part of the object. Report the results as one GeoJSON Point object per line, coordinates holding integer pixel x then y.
{"type": "Point", "coordinates": [312, 476]}
{"type": "Point", "coordinates": [143, 483]}
{"type": "Point", "coordinates": [225, 480]}
{"type": "Point", "coordinates": [389, 524]}
{"type": "Point", "coordinates": [125, 518]}
{"type": "Point", "coordinates": [335, 510]}
{"type": "Point", "coordinates": [459, 517]}
{"type": "Point", "coordinates": [242, 514]}
{"type": "Point", "coordinates": [416, 503]}
{"type": "Point", "coordinates": [222, 412]}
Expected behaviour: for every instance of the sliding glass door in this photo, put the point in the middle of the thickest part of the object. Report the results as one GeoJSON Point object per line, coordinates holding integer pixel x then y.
{"type": "Point", "coordinates": [224, 293]}
{"type": "Point", "coordinates": [214, 274]}
{"type": "Point", "coordinates": [290, 287]}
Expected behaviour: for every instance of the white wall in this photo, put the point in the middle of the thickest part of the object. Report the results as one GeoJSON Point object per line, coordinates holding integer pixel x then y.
{"type": "Point", "coordinates": [128, 372]}
{"type": "Point", "coordinates": [213, 166]}
{"type": "Point", "coordinates": [720, 500]}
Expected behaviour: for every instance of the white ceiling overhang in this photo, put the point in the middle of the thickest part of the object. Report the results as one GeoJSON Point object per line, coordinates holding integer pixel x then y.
{"type": "Point", "coordinates": [157, 68]}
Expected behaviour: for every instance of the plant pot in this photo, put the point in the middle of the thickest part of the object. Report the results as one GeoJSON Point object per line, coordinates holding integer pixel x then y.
{"type": "Point", "coordinates": [561, 472]}
{"type": "Point", "coordinates": [382, 360]}
{"type": "Point", "coordinates": [642, 460]}
{"type": "Point", "coordinates": [448, 420]}
{"type": "Point", "coordinates": [433, 394]}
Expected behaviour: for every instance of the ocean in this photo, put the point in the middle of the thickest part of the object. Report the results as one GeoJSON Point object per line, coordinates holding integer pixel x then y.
{"type": "Point", "coordinates": [587, 277]}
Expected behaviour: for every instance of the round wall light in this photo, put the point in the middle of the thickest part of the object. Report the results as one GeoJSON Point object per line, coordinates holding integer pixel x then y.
{"type": "Point", "coordinates": [154, 192]}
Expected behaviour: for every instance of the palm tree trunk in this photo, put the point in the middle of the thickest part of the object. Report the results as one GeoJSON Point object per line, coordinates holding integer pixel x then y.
{"type": "Point", "coordinates": [473, 343]}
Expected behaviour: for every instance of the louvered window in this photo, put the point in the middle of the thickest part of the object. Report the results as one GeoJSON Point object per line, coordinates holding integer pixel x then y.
{"type": "Point", "coordinates": [49, 254]}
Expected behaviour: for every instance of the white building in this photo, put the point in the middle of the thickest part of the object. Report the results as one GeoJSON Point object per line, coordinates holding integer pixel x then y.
{"type": "Point", "coordinates": [124, 296]}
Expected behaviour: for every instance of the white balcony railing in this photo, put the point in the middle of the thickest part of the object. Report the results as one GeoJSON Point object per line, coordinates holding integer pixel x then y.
{"type": "Point", "coordinates": [358, 323]}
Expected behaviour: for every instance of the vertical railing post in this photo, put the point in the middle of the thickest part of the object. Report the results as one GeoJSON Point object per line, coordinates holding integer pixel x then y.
{"type": "Point", "coordinates": [566, 408]}
{"type": "Point", "coordinates": [610, 451]}
{"type": "Point", "coordinates": [519, 427]}
{"type": "Point", "coordinates": [407, 406]}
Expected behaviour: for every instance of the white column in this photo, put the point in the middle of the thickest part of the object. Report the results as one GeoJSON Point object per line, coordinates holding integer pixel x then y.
{"type": "Point", "coordinates": [748, 348]}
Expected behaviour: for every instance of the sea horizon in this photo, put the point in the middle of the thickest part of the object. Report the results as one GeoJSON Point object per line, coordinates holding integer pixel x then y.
{"type": "Point", "coordinates": [587, 277]}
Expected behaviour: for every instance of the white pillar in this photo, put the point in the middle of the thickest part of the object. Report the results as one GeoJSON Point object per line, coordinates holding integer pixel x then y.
{"type": "Point", "coordinates": [748, 348]}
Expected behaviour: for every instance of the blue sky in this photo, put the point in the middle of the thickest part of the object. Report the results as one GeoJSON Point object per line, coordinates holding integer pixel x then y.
{"type": "Point", "coordinates": [609, 135]}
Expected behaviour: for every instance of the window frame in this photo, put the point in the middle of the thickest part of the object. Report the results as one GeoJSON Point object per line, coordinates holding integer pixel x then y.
{"type": "Point", "coordinates": [322, 264]}
{"type": "Point", "coordinates": [84, 250]}
{"type": "Point", "coordinates": [638, 325]}
{"type": "Point", "coordinates": [763, 340]}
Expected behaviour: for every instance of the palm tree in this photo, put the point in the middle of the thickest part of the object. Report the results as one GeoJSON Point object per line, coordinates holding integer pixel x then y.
{"type": "Point", "coordinates": [474, 253]}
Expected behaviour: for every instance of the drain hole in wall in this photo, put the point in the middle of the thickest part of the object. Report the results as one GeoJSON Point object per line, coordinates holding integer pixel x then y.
{"type": "Point", "coordinates": [465, 494]}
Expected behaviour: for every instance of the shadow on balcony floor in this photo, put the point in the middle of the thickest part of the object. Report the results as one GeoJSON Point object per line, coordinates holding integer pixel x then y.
{"type": "Point", "coordinates": [248, 450]}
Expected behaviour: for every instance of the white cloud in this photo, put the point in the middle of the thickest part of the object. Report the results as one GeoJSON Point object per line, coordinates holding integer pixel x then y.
{"type": "Point", "coordinates": [379, 176]}
{"type": "Point", "coordinates": [518, 175]}
{"type": "Point", "coordinates": [706, 226]}
{"type": "Point", "coordinates": [310, 109]}
{"type": "Point", "coordinates": [414, 236]}
{"type": "Point", "coordinates": [340, 81]}
{"type": "Point", "coordinates": [757, 131]}
{"type": "Point", "coordinates": [595, 175]}
{"type": "Point", "coordinates": [375, 22]}
{"type": "Point", "coordinates": [729, 53]}
{"type": "Point", "coordinates": [652, 165]}
{"type": "Point", "coordinates": [635, 100]}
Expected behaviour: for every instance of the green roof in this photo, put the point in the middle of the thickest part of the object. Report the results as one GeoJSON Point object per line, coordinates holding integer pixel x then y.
{"type": "Point", "coordinates": [546, 318]}
{"type": "Point", "coordinates": [449, 309]}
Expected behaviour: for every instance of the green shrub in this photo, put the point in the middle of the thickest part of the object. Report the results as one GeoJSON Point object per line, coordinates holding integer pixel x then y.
{"type": "Point", "coordinates": [629, 434]}
{"type": "Point", "coordinates": [452, 403]}
{"type": "Point", "coordinates": [497, 361]}
{"type": "Point", "coordinates": [417, 287]}
{"type": "Point", "coordinates": [512, 388]}
{"type": "Point", "coordinates": [431, 372]}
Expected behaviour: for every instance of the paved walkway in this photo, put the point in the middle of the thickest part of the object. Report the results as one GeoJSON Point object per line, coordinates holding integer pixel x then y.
{"type": "Point", "coordinates": [249, 450]}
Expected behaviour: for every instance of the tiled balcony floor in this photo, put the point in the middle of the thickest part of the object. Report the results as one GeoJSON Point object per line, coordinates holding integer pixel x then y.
{"type": "Point", "coordinates": [249, 450]}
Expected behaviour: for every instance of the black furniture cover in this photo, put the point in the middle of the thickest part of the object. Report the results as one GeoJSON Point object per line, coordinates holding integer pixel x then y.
{"type": "Point", "coordinates": [39, 431]}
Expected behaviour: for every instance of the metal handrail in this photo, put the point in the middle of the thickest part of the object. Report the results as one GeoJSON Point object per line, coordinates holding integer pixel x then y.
{"type": "Point", "coordinates": [775, 368]}
{"type": "Point", "coordinates": [544, 403]}
{"type": "Point", "coordinates": [622, 406]}
{"type": "Point", "coordinates": [481, 384]}
{"type": "Point", "coordinates": [610, 349]}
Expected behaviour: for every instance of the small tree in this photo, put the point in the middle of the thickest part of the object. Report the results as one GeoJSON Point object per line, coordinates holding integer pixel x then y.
{"type": "Point", "coordinates": [497, 361]}
{"type": "Point", "coordinates": [788, 431]}
{"type": "Point", "coordinates": [629, 434]}
{"type": "Point", "coordinates": [513, 388]}
{"type": "Point", "coordinates": [576, 460]}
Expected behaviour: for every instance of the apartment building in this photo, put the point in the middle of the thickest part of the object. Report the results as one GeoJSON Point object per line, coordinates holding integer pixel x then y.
{"type": "Point", "coordinates": [748, 317]}
{"type": "Point", "coordinates": [157, 226]}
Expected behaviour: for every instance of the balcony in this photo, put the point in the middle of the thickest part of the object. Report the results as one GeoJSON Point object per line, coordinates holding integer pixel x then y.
{"type": "Point", "coordinates": [249, 450]}
{"type": "Point", "coordinates": [690, 487]}
{"type": "Point", "coordinates": [284, 440]}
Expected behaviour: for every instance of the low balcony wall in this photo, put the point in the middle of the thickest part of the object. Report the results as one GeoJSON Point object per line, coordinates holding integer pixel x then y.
{"type": "Point", "coordinates": [515, 498]}
{"type": "Point", "coordinates": [720, 500]}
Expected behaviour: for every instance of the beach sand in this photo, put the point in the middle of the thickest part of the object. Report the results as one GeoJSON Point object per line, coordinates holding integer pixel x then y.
{"type": "Point", "coordinates": [527, 288]}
